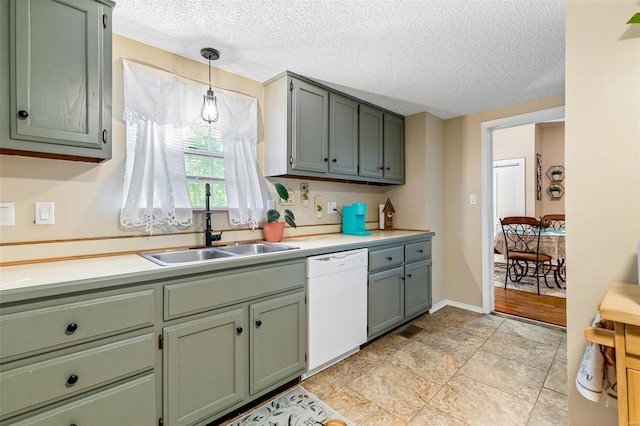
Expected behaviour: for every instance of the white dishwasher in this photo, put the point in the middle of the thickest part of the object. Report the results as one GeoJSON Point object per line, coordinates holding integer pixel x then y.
{"type": "Point", "coordinates": [336, 307]}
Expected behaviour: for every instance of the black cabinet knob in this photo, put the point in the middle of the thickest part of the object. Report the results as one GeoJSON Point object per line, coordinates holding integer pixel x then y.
{"type": "Point", "coordinates": [388, 168]}
{"type": "Point", "coordinates": [389, 258]}
{"type": "Point", "coordinates": [335, 160]}
{"type": "Point", "coordinates": [326, 159]}
{"type": "Point", "coordinates": [258, 323]}
{"type": "Point", "coordinates": [239, 330]}
{"type": "Point", "coordinates": [72, 327]}
{"type": "Point", "coordinates": [72, 424]}
{"type": "Point", "coordinates": [23, 114]}
{"type": "Point", "coordinates": [72, 379]}
{"type": "Point", "coordinates": [402, 278]}
{"type": "Point", "coordinates": [420, 251]}
{"type": "Point", "coordinates": [380, 168]}
{"type": "Point", "coordinates": [409, 275]}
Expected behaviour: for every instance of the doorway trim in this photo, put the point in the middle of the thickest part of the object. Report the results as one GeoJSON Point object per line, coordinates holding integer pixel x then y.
{"type": "Point", "coordinates": [486, 146]}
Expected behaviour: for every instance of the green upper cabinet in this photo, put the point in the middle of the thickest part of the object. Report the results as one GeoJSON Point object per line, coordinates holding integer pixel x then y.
{"type": "Point", "coordinates": [371, 143]}
{"type": "Point", "coordinates": [60, 81]}
{"type": "Point", "coordinates": [309, 127]}
{"type": "Point", "coordinates": [313, 131]}
{"type": "Point", "coordinates": [343, 135]}
{"type": "Point", "coordinates": [393, 148]}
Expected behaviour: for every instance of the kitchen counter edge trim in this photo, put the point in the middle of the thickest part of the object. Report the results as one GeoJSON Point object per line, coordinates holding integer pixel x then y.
{"type": "Point", "coordinates": [154, 273]}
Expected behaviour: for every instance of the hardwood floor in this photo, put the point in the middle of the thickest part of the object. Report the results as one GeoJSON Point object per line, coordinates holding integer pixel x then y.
{"type": "Point", "coordinates": [552, 310]}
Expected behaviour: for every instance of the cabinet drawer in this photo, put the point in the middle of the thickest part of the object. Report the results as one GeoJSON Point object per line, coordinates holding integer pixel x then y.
{"type": "Point", "coordinates": [63, 325]}
{"type": "Point", "coordinates": [132, 403]}
{"type": "Point", "coordinates": [386, 258]}
{"type": "Point", "coordinates": [632, 339]}
{"type": "Point", "coordinates": [228, 288]}
{"type": "Point", "coordinates": [46, 381]}
{"type": "Point", "coordinates": [417, 251]}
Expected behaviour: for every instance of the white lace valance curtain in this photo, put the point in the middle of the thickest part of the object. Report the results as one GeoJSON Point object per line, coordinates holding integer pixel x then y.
{"type": "Point", "coordinates": [157, 105]}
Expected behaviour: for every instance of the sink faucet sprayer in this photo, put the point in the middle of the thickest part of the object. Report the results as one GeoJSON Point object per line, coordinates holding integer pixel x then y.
{"type": "Point", "coordinates": [208, 234]}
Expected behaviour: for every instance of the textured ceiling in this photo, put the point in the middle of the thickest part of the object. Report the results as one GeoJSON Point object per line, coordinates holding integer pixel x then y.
{"type": "Point", "coordinates": [449, 58]}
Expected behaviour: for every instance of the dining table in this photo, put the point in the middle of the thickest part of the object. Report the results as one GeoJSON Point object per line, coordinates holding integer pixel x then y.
{"type": "Point", "coordinates": [552, 243]}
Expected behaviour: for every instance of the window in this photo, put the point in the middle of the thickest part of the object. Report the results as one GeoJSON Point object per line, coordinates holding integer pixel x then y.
{"type": "Point", "coordinates": [204, 163]}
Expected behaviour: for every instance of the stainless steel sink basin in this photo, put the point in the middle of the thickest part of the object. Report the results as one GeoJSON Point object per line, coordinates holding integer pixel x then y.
{"type": "Point", "coordinates": [256, 248]}
{"type": "Point", "coordinates": [176, 257]}
{"type": "Point", "coordinates": [210, 254]}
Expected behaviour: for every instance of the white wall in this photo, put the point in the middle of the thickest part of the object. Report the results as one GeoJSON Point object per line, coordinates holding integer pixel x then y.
{"type": "Point", "coordinates": [602, 148]}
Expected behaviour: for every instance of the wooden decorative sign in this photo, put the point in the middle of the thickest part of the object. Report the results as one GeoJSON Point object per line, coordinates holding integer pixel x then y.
{"type": "Point", "coordinates": [388, 211]}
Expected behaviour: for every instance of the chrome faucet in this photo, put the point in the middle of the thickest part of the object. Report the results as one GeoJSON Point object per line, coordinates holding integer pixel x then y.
{"type": "Point", "coordinates": [209, 236]}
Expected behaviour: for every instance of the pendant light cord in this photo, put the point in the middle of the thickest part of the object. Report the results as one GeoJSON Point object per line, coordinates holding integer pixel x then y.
{"type": "Point", "coordinates": [209, 73]}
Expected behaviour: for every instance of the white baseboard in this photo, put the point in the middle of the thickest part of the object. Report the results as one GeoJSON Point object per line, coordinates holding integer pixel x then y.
{"type": "Point", "coordinates": [446, 302]}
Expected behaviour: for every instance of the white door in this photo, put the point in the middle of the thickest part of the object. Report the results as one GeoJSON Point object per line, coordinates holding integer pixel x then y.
{"type": "Point", "coordinates": [508, 190]}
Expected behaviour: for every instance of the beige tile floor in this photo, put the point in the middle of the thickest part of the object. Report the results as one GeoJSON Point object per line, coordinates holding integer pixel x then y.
{"type": "Point", "coordinates": [463, 368]}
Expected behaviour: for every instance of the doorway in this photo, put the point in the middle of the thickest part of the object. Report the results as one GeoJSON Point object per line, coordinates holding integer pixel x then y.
{"type": "Point", "coordinates": [508, 189]}
{"type": "Point", "coordinates": [488, 202]}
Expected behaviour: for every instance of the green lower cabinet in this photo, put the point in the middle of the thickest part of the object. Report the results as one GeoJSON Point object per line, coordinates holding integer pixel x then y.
{"type": "Point", "coordinates": [417, 288]}
{"type": "Point", "coordinates": [204, 367]}
{"type": "Point", "coordinates": [386, 300]}
{"type": "Point", "coordinates": [278, 342]}
{"type": "Point", "coordinates": [131, 403]}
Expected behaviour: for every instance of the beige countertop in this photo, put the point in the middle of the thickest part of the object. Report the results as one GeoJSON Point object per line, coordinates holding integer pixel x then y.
{"type": "Point", "coordinates": [621, 303]}
{"type": "Point", "coordinates": [52, 275]}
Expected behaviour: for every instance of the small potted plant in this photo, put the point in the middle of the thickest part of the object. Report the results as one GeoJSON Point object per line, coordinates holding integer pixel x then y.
{"type": "Point", "coordinates": [273, 228]}
{"type": "Point", "coordinates": [556, 174]}
{"type": "Point", "coordinates": [555, 191]}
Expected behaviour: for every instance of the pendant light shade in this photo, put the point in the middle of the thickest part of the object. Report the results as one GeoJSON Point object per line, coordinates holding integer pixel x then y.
{"type": "Point", "coordinates": [209, 110]}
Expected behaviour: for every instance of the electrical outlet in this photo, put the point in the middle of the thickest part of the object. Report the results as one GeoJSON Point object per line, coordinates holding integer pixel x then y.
{"type": "Point", "coordinates": [331, 207]}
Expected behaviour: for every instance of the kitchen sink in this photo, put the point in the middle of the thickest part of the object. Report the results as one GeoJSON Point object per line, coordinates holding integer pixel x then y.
{"type": "Point", "coordinates": [176, 257]}
{"type": "Point", "coordinates": [210, 254]}
{"type": "Point", "coordinates": [256, 248]}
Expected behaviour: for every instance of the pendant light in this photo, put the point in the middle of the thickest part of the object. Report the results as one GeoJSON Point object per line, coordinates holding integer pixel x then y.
{"type": "Point", "coordinates": [209, 110]}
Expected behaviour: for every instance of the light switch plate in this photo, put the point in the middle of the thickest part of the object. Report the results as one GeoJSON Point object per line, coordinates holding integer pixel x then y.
{"type": "Point", "coordinates": [331, 207]}
{"type": "Point", "coordinates": [44, 214]}
{"type": "Point", "coordinates": [473, 199]}
{"type": "Point", "coordinates": [7, 214]}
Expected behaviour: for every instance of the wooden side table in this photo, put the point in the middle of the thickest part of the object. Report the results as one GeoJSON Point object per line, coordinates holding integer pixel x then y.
{"type": "Point", "coordinates": [621, 304]}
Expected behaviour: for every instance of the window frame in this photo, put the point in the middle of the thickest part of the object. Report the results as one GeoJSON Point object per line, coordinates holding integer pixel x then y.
{"type": "Point", "coordinates": [203, 179]}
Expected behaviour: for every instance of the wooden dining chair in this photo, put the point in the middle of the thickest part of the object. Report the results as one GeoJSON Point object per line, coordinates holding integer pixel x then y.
{"type": "Point", "coordinates": [557, 221]}
{"type": "Point", "coordinates": [522, 250]}
{"type": "Point", "coordinates": [554, 221]}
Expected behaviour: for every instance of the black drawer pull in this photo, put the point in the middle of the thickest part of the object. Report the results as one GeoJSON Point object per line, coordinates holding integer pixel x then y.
{"type": "Point", "coordinates": [72, 379]}
{"type": "Point", "coordinates": [389, 258]}
{"type": "Point", "coordinates": [402, 278]}
{"type": "Point", "coordinates": [388, 168]}
{"type": "Point", "coordinates": [258, 323]}
{"type": "Point", "coordinates": [380, 168]}
{"type": "Point", "coordinates": [409, 275]}
{"type": "Point", "coordinates": [420, 251]}
{"type": "Point", "coordinates": [23, 114]}
{"type": "Point", "coordinates": [71, 328]}
{"type": "Point", "coordinates": [239, 330]}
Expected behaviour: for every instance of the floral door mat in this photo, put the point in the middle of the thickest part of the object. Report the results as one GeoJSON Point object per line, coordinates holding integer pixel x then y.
{"type": "Point", "coordinates": [295, 408]}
